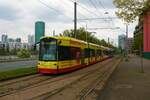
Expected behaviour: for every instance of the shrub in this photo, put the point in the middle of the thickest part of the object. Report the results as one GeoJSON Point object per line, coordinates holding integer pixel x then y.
{"type": "Point", "coordinates": [23, 53]}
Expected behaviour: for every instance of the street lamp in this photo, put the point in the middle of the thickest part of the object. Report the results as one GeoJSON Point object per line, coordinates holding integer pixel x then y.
{"type": "Point", "coordinates": [126, 42]}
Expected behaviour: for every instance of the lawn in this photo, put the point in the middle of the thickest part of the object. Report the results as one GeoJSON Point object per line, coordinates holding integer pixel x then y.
{"type": "Point", "coordinates": [5, 75]}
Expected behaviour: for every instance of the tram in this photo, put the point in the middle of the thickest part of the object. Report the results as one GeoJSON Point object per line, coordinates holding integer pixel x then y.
{"type": "Point", "coordinates": [64, 54]}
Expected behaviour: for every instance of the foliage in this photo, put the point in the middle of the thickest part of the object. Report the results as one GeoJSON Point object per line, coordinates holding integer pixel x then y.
{"type": "Point", "coordinates": [138, 41]}
{"type": "Point", "coordinates": [2, 51]}
{"type": "Point", "coordinates": [13, 51]}
{"type": "Point", "coordinates": [5, 51]}
{"type": "Point", "coordinates": [129, 10]}
{"type": "Point", "coordinates": [84, 35]}
{"type": "Point", "coordinates": [23, 53]}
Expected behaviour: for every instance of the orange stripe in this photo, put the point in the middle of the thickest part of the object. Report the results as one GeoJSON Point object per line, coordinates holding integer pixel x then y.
{"type": "Point", "coordinates": [65, 70]}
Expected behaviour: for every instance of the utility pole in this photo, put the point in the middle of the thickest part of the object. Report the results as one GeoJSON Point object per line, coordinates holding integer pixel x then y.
{"type": "Point", "coordinates": [53, 32]}
{"type": "Point", "coordinates": [86, 34]}
{"type": "Point", "coordinates": [108, 42]}
{"type": "Point", "coordinates": [75, 19]}
{"type": "Point", "coordinates": [126, 42]}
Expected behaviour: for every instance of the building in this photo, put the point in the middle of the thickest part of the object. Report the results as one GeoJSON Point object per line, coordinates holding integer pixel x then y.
{"type": "Point", "coordinates": [12, 45]}
{"type": "Point", "coordinates": [39, 31]}
{"type": "Point", "coordinates": [18, 40]}
{"type": "Point", "coordinates": [146, 31]}
{"type": "Point", "coordinates": [31, 39]}
{"type": "Point", "coordinates": [4, 38]}
{"type": "Point", "coordinates": [10, 40]}
{"type": "Point", "coordinates": [25, 45]}
{"type": "Point", "coordinates": [121, 41]}
{"type": "Point", "coordinates": [130, 44]}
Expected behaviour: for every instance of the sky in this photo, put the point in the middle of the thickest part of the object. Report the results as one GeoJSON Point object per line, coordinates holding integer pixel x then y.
{"type": "Point", "coordinates": [18, 17]}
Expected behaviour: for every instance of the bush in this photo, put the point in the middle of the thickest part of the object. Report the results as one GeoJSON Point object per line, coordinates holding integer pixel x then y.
{"type": "Point", "coordinates": [23, 53]}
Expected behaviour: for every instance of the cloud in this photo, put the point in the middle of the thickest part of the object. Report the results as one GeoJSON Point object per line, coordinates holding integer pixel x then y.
{"type": "Point", "coordinates": [20, 15]}
{"type": "Point", "coordinates": [8, 12]}
{"type": "Point", "coordinates": [108, 4]}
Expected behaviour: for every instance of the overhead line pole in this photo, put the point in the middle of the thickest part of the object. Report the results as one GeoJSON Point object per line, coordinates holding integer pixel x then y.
{"type": "Point", "coordinates": [75, 19]}
{"type": "Point", "coordinates": [126, 42]}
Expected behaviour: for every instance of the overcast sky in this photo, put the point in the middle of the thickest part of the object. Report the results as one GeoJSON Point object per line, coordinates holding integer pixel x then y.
{"type": "Point", "coordinates": [17, 17]}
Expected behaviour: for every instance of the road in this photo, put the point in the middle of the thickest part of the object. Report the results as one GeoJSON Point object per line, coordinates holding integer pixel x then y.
{"type": "Point", "coordinates": [19, 64]}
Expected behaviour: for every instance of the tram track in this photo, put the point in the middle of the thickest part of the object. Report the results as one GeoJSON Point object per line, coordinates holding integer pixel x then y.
{"type": "Point", "coordinates": [86, 75]}
{"type": "Point", "coordinates": [12, 86]}
{"type": "Point", "coordinates": [99, 82]}
{"type": "Point", "coordinates": [48, 88]}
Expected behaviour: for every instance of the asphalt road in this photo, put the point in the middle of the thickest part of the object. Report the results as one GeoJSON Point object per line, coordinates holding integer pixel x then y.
{"type": "Point", "coordinates": [19, 64]}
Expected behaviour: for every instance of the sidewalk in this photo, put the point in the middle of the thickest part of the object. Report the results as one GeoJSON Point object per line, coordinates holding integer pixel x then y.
{"type": "Point", "coordinates": [127, 82]}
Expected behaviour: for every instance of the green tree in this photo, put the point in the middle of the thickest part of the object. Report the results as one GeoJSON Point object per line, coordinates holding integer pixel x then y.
{"type": "Point", "coordinates": [129, 10]}
{"type": "Point", "coordinates": [84, 35]}
{"type": "Point", "coordinates": [138, 41]}
{"type": "Point", "coordinates": [23, 53]}
{"type": "Point", "coordinates": [2, 51]}
{"type": "Point", "coordinates": [81, 34]}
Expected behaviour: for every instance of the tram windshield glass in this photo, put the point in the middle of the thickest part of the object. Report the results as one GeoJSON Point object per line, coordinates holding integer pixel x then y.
{"type": "Point", "coordinates": [48, 51]}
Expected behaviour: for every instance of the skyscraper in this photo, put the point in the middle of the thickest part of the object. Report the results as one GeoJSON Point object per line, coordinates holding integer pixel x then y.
{"type": "Point", "coordinates": [130, 44]}
{"type": "Point", "coordinates": [31, 39]}
{"type": "Point", "coordinates": [4, 38]}
{"type": "Point", "coordinates": [18, 40]}
{"type": "Point", "coordinates": [39, 30]}
{"type": "Point", "coordinates": [121, 41]}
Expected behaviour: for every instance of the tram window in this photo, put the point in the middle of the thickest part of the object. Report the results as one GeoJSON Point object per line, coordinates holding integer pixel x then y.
{"type": "Point", "coordinates": [75, 53]}
{"type": "Point", "coordinates": [64, 53]}
{"type": "Point", "coordinates": [92, 52]}
{"type": "Point", "coordinates": [48, 50]}
{"type": "Point", "coordinates": [86, 53]}
{"type": "Point", "coordinates": [99, 53]}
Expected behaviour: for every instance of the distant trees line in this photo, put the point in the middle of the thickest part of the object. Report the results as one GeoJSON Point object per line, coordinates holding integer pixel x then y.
{"type": "Point", "coordinates": [81, 34]}
{"type": "Point", "coordinates": [21, 53]}
{"type": "Point", "coordinates": [84, 35]}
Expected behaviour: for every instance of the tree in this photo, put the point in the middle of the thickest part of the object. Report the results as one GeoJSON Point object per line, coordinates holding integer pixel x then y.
{"type": "Point", "coordinates": [2, 51]}
{"type": "Point", "coordinates": [23, 53]}
{"type": "Point", "coordinates": [129, 10]}
{"type": "Point", "coordinates": [84, 35]}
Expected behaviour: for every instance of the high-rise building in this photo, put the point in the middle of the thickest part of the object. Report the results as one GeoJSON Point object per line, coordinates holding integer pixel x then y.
{"type": "Point", "coordinates": [31, 39]}
{"type": "Point", "coordinates": [18, 40]}
{"type": "Point", "coordinates": [11, 40]}
{"type": "Point", "coordinates": [39, 30]}
{"type": "Point", "coordinates": [121, 41]}
{"type": "Point", "coordinates": [4, 38]}
{"type": "Point", "coordinates": [130, 44]}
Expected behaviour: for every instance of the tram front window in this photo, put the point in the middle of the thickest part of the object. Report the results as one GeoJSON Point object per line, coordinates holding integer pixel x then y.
{"type": "Point", "coordinates": [48, 50]}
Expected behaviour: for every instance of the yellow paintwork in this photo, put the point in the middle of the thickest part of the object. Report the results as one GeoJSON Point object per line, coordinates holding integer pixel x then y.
{"type": "Point", "coordinates": [67, 41]}
{"type": "Point", "coordinates": [48, 65]}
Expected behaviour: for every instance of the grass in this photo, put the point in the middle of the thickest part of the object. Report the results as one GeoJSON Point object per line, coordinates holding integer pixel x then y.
{"type": "Point", "coordinates": [5, 75]}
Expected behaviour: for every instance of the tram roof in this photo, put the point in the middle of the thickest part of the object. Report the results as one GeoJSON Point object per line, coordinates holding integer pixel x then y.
{"type": "Point", "coordinates": [73, 39]}
{"type": "Point", "coordinates": [64, 38]}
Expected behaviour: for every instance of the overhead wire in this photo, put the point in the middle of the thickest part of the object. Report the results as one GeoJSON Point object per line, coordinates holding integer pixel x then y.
{"type": "Point", "coordinates": [83, 7]}
{"type": "Point", "coordinates": [79, 13]}
{"type": "Point", "coordinates": [94, 6]}
{"type": "Point", "coordinates": [57, 11]}
{"type": "Point", "coordinates": [86, 9]}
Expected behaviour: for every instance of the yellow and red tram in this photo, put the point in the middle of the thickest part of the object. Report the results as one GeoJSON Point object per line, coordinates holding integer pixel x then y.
{"type": "Point", "coordinates": [64, 54]}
